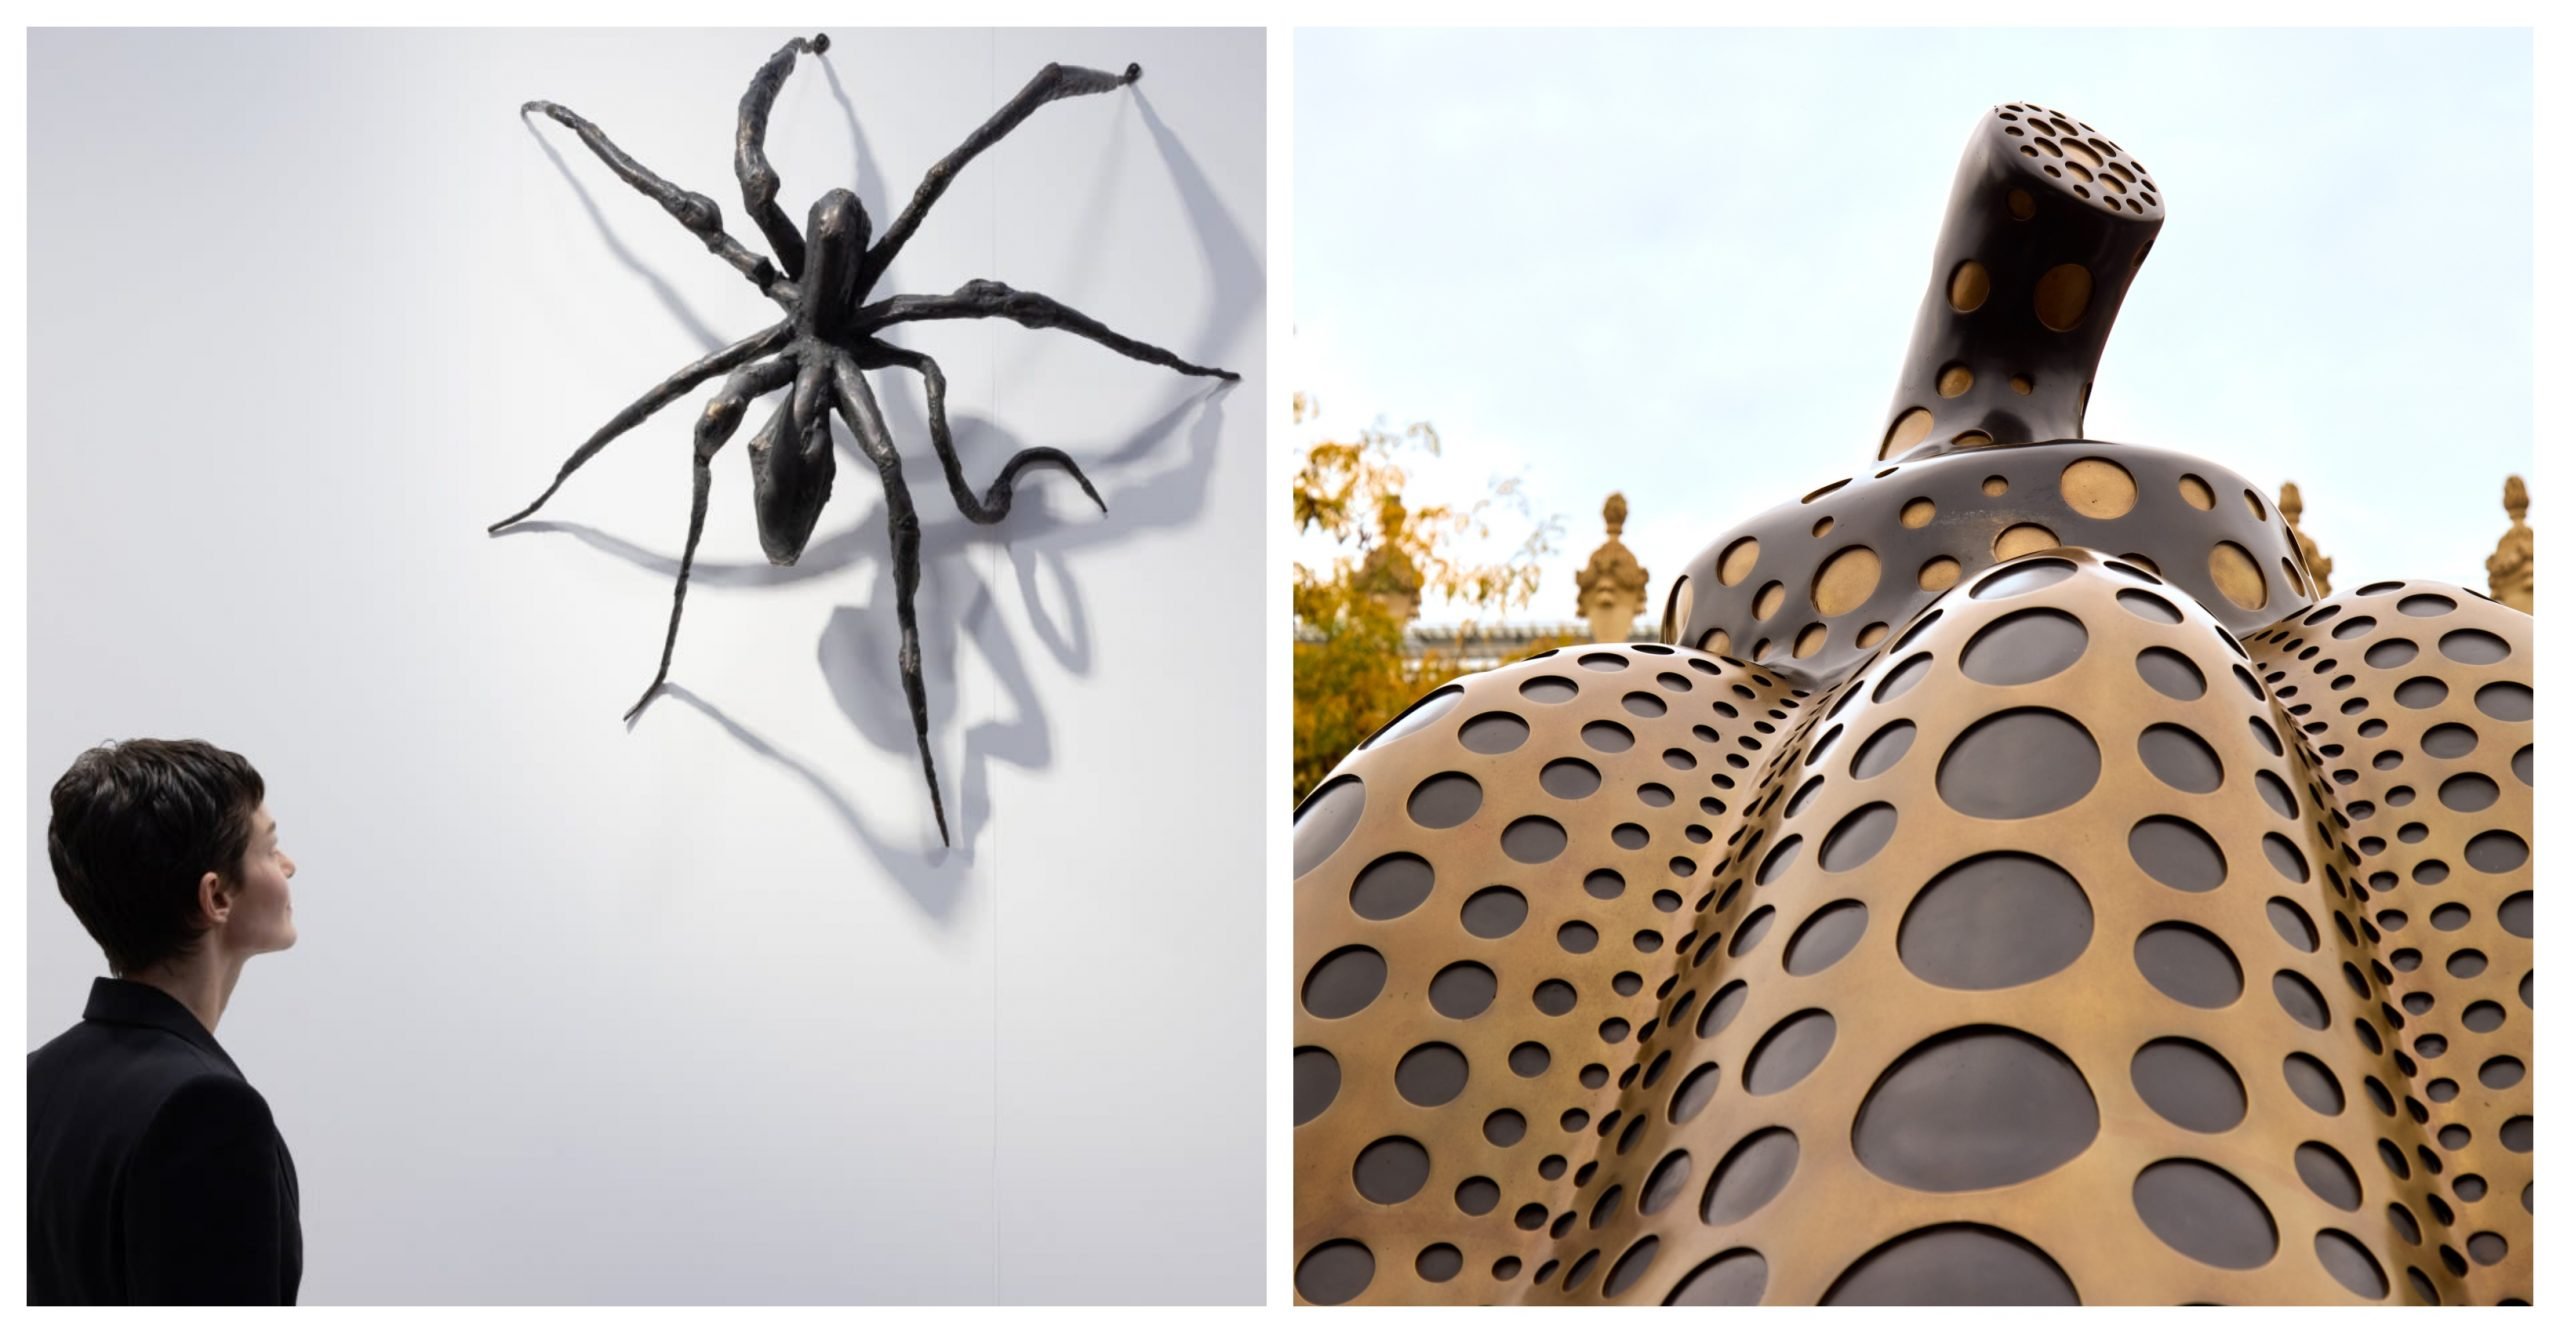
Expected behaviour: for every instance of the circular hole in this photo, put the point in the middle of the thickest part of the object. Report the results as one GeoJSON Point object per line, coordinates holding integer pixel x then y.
{"type": "Point", "coordinates": [2179, 758]}
{"type": "Point", "coordinates": [2019, 764]}
{"type": "Point", "coordinates": [2026, 576]}
{"type": "Point", "coordinates": [2329, 1176]}
{"type": "Point", "coordinates": [2205, 1213]}
{"type": "Point", "coordinates": [2313, 1084]}
{"type": "Point", "coordinates": [1549, 690]}
{"type": "Point", "coordinates": [1432, 1074]}
{"type": "Point", "coordinates": [1316, 1076]}
{"type": "Point", "coordinates": [1391, 1170]}
{"type": "Point", "coordinates": [2148, 606]}
{"type": "Point", "coordinates": [1462, 990]}
{"type": "Point", "coordinates": [1391, 886]}
{"type": "Point", "coordinates": [2236, 574]}
{"type": "Point", "coordinates": [1335, 1272]}
{"type": "Point", "coordinates": [1343, 982]}
{"type": "Point", "coordinates": [1734, 565]}
{"type": "Point", "coordinates": [2188, 964]}
{"type": "Point", "coordinates": [2189, 1085]}
{"type": "Point", "coordinates": [1826, 938]}
{"type": "Point", "coordinates": [2299, 998]}
{"type": "Point", "coordinates": [1994, 921]}
{"type": "Point", "coordinates": [2098, 488]}
{"type": "Point", "coordinates": [1533, 840]}
{"type": "Point", "coordinates": [2061, 297]}
{"type": "Point", "coordinates": [1908, 429]}
{"type": "Point", "coordinates": [2170, 672]}
{"type": "Point", "coordinates": [1766, 602]}
{"type": "Point", "coordinates": [1735, 1277]}
{"type": "Point", "coordinates": [1493, 733]}
{"type": "Point", "coordinates": [1977, 1108]}
{"type": "Point", "coordinates": [1443, 800]}
{"type": "Point", "coordinates": [1325, 822]}
{"type": "Point", "coordinates": [2020, 539]}
{"type": "Point", "coordinates": [1950, 1265]}
{"type": "Point", "coordinates": [1749, 1177]}
{"type": "Point", "coordinates": [1845, 580]}
{"type": "Point", "coordinates": [1494, 913]}
{"type": "Point", "coordinates": [1790, 1051]}
{"type": "Point", "coordinates": [1970, 285]}
{"type": "Point", "coordinates": [2023, 647]}
{"type": "Point", "coordinates": [2178, 854]}
{"type": "Point", "coordinates": [2350, 1263]}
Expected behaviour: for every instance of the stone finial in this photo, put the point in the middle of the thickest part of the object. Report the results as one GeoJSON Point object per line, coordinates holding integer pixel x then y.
{"type": "Point", "coordinates": [2314, 564]}
{"type": "Point", "coordinates": [2511, 565]}
{"type": "Point", "coordinates": [1613, 583]}
{"type": "Point", "coordinates": [1389, 573]}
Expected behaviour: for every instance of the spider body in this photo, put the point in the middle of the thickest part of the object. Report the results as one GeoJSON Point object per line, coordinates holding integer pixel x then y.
{"type": "Point", "coordinates": [822, 276]}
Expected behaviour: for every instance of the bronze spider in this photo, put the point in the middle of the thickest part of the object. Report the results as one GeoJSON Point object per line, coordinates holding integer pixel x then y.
{"type": "Point", "coordinates": [822, 277]}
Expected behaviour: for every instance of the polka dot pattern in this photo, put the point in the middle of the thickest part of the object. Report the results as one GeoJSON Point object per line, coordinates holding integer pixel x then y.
{"type": "Point", "coordinates": [1549, 836]}
{"type": "Point", "coordinates": [2412, 703]}
{"type": "Point", "coordinates": [1814, 943]}
{"type": "Point", "coordinates": [1910, 529]}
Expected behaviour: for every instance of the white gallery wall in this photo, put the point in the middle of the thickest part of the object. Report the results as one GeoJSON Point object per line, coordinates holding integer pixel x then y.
{"type": "Point", "coordinates": [698, 1009]}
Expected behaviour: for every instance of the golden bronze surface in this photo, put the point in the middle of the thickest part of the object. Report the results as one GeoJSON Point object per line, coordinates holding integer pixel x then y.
{"type": "Point", "coordinates": [2083, 914]}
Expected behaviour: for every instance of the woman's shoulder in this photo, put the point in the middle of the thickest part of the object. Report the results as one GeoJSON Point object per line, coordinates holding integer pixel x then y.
{"type": "Point", "coordinates": [213, 1104]}
{"type": "Point", "coordinates": [135, 1065]}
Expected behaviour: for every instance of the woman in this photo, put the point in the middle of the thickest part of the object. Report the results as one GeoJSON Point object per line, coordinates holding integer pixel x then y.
{"type": "Point", "coordinates": [155, 1175]}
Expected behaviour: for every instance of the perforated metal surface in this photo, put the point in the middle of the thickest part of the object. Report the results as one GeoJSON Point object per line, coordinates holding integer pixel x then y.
{"type": "Point", "coordinates": [1993, 957]}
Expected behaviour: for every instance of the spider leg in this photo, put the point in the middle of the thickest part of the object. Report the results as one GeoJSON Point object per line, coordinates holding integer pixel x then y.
{"type": "Point", "coordinates": [698, 214]}
{"type": "Point", "coordinates": [720, 420]}
{"type": "Point", "coordinates": [983, 299]}
{"type": "Point", "coordinates": [999, 497]}
{"type": "Point", "coordinates": [862, 412]}
{"type": "Point", "coordinates": [756, 176]}
{"type": "Point", "coordinates": [676, 386]}
{"type": "Point", "coordinates": [1051, 83]}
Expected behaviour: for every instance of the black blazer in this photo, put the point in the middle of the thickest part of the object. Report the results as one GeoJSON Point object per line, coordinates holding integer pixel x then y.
{"type": "Point", "coordinates": [155, 1175]}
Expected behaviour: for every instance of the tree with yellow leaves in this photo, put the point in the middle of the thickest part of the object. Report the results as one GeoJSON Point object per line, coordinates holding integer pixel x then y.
{"type": "Point", "coordinates": [1369, 556]}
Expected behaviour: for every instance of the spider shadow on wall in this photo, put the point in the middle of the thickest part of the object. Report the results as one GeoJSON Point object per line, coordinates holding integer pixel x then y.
{"type": "Point", "coordinates": [857, 649]}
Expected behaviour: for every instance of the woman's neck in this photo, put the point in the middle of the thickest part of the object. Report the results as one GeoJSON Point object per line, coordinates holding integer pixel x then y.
{"type": "Point", "coordinates": [201, 980]}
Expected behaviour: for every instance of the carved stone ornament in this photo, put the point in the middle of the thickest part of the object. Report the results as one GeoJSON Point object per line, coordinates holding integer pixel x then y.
{"type": "Point", "coordinates": [1612, 584]}
{"type": "Point", "coordinates": [2511, 565]}
{"type": "Point", "coordinates": [2315, 566]}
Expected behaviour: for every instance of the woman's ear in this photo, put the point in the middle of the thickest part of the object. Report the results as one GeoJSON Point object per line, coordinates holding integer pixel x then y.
{"type": "Point", "coordinates": [213, 898]}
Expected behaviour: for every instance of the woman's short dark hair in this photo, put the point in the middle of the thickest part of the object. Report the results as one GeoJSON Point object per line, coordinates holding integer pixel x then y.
{"type": "Point", "coordinates": [136, 824]}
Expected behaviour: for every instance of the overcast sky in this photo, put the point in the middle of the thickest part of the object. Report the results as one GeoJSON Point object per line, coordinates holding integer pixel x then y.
{"type": "Point", "coordinates": [1684, 264]}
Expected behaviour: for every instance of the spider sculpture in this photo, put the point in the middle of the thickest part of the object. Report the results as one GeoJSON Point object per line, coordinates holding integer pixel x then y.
{"type": "Point", "coordinates": [822, 276]}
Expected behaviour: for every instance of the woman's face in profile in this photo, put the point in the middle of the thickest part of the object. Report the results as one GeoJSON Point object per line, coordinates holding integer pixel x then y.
{"type": "Point", "coordinates": [261, 919]}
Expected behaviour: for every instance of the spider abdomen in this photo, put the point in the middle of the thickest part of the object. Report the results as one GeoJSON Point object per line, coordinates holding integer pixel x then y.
{"type": "Point", "coordinates": [793, 458]}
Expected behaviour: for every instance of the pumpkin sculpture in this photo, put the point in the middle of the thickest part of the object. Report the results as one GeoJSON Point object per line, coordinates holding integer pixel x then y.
{"type": "Point", "coordinates": [2005, 883]}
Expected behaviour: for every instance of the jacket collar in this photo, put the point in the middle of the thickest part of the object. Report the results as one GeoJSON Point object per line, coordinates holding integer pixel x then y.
{"type": "Point", "coordinates": [136, 1004]}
